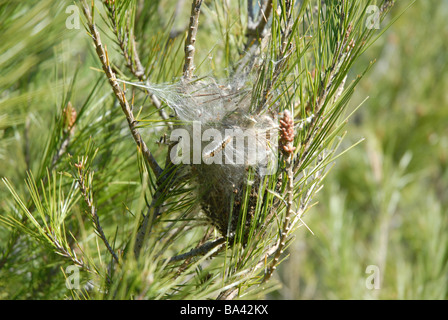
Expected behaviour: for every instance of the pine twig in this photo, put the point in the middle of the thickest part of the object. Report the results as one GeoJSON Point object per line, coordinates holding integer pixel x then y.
{"type": "Point", "coordinates": [119, 93]}
{"type": "Point", "coordinates": [232, 292]}
{"type": "Point", "coordinates": [201, 242]}
{"type": "Point", "coordinates": [287, 148]}
{"type": "Point", "coordinates": [86, 191]}
{"type": "Point", "coordinates": [191, 39]}
{"type": "Point", "coordinates": [133, 63]}
{"type": "Point", "coordinates": [145, 227]}
{"type": "Point", "coordinates": [256, 29]}
{"type": "Point", "coordinates": [201, 250]}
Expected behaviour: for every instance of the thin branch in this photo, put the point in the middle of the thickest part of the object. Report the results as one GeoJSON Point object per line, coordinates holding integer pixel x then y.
{"type": "Point", "coordinates": [154, 208]}
{"type": "Point", "coordinates": [191, 39]}
{"type": "Point", "coordinates": [145, 227]}
{"type": "Point", "coordinates": [287, 139]}
{"type": "Point", "coordinates": [254, 32]}
{"type": "Point", "coordinates": [133, 63]}
{"type": "Point", "coordinates": [231, 293]}
{"type": "Point", "coordinates": [256, 29]}
{"type": "Point", "coordinates": [187, 261]}
{"type": "Point", "coordinates": [119, 93]}
{"type": "Point", "coordinates": [199, 251]}
{"type": "Point", "coordinates": [86, 191]}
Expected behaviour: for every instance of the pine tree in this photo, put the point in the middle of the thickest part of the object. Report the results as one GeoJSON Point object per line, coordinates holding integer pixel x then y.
{"type": "Point", "coordinates": [124, 197]}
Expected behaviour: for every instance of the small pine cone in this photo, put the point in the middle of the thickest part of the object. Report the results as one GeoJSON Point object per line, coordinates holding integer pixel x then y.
{"type": "Point", "coordinates": [69, 114]}
{"type": "Point", "coordinates": [287, 133]}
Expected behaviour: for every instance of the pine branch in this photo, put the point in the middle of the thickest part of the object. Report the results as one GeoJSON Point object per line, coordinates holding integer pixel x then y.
{"type": "Point", "coordinates": [287, 148]}
{"type": "Point", "coordinates": [164, 182]}
{"type": "Point", "coordinates": [86, 190]}
{"type": "Point", "coordinates": [255, 29]}
{"type": "Point", "coordinates": [145, 227]}
{"type": "Point", "coordinates": [263, 205]}
{"type": "Point", "coordinates": [119, 93]}
{"type": "Point", "coordinates": [232, 292]}
{"type": "Point", "coordinates": [123, 38]}
{"type": "Point", "coordinates": [133, 62]}
{"type": "Point", "coordinates": [199, 251]}
{"type": "Point", "coordinates": [191, 39]}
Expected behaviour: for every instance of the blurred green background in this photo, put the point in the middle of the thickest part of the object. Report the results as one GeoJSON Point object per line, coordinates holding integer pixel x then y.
{"type": "Point", "coordinates": [383, 208]}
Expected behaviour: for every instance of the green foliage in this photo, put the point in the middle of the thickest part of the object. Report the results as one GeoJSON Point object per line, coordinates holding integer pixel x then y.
{"type": "Point", "coordinates": [81, 187]}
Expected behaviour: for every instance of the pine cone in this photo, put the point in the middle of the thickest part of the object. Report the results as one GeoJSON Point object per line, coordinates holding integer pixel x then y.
{"type": "Point", "coordinates": [287, 133]}
{"type": "Point", "coordinates": [69, 118]}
